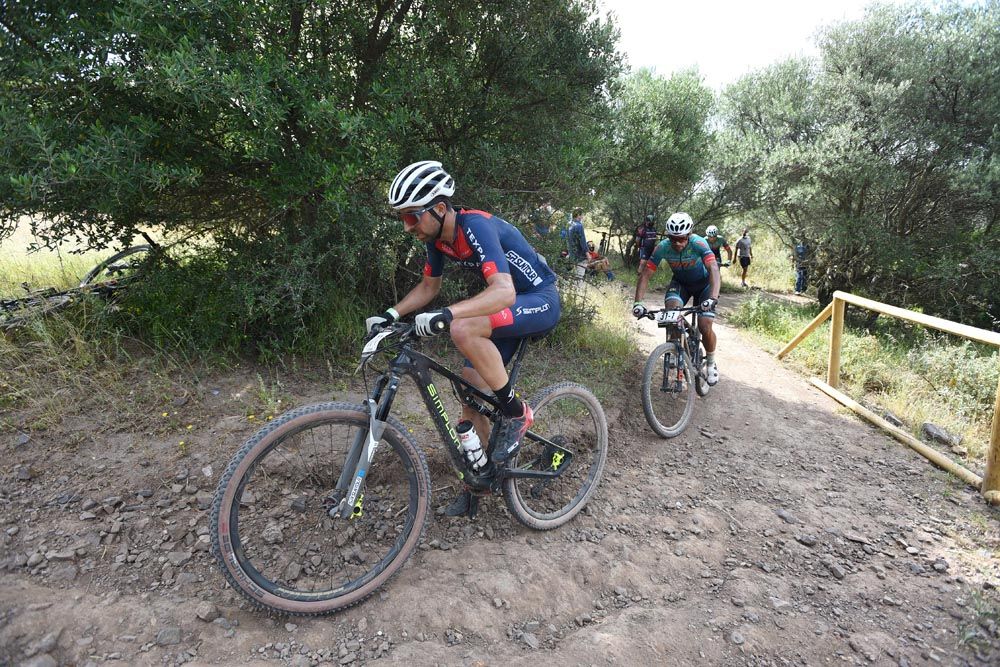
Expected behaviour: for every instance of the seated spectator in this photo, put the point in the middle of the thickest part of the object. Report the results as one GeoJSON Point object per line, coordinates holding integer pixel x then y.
{"type": "Point", "coordinates": [597, 263]}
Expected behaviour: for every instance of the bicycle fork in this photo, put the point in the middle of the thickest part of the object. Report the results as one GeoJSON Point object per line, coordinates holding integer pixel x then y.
{"type": "Point", "coordinates": [350, 485]}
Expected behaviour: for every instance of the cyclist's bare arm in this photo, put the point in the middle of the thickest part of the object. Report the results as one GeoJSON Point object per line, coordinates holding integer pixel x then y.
{"type": "Point", "coordinates": [499, 294]}
{"type": "Point", "coordinates": [642, 282]}
{"type": "Point", "coordinates": [419, 296]}
{"type": "Point", "coordinates": [714, 279]}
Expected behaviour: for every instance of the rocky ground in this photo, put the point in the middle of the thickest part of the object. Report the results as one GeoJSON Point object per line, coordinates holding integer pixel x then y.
{"type": "Point", "coordinates": [777, 530]}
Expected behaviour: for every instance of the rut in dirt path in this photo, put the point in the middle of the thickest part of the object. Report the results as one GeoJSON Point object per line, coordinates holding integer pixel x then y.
{"type": "Point", "coordinates": [773, 531]}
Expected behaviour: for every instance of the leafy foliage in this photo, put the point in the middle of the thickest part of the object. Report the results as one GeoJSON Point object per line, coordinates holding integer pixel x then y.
{"type": "Point", "coordinates": [657, 147]}
{"type": "Point", "coordinates": [883, 156]}
{"type": "Point", "coordinates": [271, 129]}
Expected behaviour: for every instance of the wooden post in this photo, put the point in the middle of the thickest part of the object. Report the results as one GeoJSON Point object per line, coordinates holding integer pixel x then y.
{"type": "Point", "coordinates": [818, 320]}
{"type": "Point", "coordinates": [991, 480]}
{"type": "Point", "coordinates": [836, 334]}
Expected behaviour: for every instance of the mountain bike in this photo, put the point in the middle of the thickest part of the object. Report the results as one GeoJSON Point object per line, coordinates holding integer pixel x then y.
{"type": "Point", "coordinates": [105, 280]}
{"type": "Point", "coordinates": [326, 503]}
{"type": "Point", "coordinates": [672, 369]}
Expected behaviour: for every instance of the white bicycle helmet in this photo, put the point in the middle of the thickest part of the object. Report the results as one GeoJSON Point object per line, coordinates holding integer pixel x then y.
{"type": "Point", "coordinates": [680, 224]}
{"type": "Point", "coordinates": [712, 231]}
{"type": "Point", "coordinates": [419, 183]}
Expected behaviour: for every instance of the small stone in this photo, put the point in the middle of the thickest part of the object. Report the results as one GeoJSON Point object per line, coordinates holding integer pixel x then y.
{"type": "Point", "coordinates": [892, 419]}
{"type": "Point", "coordinates": [737, 638]}
{"type": "Point", "coordinates": [21, 440]}
{"type": "Point", "coordinates": [531, 640]}
{"type": "Point", "coordinates": [935, 432]}
{"type": "Point", "coordinates": [204, 500]}
{"type": "Point", "coordinates": [940, 565]}
{"type": "Point", "coordinates": [787, 516]}
{"type": "Point", "coordinates": [272, 534]}
{"type": "Point", "coordinates": [780, 605]}
{"type": "Point", "coordinates": [206, 611]}
{"type": "Point", "coordinates": [25, 473]}
{"type": "Point", "coordinates": [836, 570]}
{"type": "Point", "coordinates": [168, 636]}
{"type": "Point", "coordinates": [808, 540]}
{"type": "Point", "coordinates": [497, 602]}
{"type": "Point", "coordinates": [178, 558]}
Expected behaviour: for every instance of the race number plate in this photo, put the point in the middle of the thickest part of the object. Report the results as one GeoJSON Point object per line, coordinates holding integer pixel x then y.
{"type": "Point", "coordinates": [666, 318]}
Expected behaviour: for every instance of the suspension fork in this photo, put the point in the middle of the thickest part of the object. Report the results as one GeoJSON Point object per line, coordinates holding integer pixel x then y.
{"type": "Point", "coordinates": [345, 500]}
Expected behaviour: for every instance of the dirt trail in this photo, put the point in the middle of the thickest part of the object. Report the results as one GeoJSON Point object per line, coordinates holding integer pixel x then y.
{"type": "Point", "coordinates": [776, 530]}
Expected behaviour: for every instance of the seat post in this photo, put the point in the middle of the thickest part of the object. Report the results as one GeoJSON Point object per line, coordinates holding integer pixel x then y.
{"type": "Point", "coordinates": [522, 347]}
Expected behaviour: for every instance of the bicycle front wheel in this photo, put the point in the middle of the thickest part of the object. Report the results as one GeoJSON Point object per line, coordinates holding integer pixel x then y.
{"type": "Point", "coordinates": [271, 530]}
{"type": "Point", "coordinates": [121, 266]}
{"type": "Point", "coordinates": [667, 398]}
{"type": "Point", "coordinates": [569, 436]}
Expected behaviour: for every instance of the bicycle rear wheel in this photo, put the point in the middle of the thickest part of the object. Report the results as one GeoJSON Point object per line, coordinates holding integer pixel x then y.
{"type": "Point", "coordinates": [271, 531]}
{"type": "Point", "coordinates": [667, 398]}
{"type": "Point", "coordinates": [18, 312]}
{"type": "Point", "coordinates": [570, 416]}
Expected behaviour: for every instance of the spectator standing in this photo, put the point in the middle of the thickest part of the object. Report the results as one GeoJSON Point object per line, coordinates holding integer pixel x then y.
{"type": "Point", "coordinates": [646, 238]}
{"type": "Point", "coordinates": [800, 256]}
{"type": "Point", "coordinates": [541, 219]}
{"type": "Point", "coordinates": [745, 254]}
{"type": "Point", "coordinates": [576, 241]}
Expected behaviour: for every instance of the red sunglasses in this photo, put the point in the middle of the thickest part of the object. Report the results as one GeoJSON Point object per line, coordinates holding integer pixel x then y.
{"type": "Point", "coordinates": [412, 217]}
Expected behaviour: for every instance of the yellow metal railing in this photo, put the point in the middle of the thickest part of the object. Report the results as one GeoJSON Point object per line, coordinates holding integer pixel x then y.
{"type": "Point", "coordinates": [989, 484]}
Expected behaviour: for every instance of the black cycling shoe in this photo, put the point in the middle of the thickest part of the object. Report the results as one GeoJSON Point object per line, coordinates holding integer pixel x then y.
{"type": "Point", "coordinates": [464, 503]}
{"type": "Point", "coordinates": [512, 430]}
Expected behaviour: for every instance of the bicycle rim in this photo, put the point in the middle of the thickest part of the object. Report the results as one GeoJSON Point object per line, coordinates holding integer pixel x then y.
{"type": "Point", "coordinates": [272, 534]}
{"type": "Point", "coordinates": [570, 416]}
{"type": "Point", "coordinates": [667, 398]}
{"type": "Point", "coordinates": [121, 266]}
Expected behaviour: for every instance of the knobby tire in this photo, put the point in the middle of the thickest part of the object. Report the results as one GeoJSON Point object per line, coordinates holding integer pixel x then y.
{"type": "Point", "coordinates": [294, 459]}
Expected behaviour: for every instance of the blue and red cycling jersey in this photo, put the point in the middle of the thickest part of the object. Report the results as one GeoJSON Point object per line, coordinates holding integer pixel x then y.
{"type": "Point", "coordinates": [488, 244]}
{"type": "Point", "coordinates": [690, 265]}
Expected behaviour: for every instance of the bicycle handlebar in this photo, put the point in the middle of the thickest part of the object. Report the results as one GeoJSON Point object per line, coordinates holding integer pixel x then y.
{"type": "Point", "coordinates": [650, 314]}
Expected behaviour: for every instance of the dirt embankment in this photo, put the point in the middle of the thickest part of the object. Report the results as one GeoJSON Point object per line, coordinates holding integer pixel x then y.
{"type": "Point", "coordinates": [776, 530]}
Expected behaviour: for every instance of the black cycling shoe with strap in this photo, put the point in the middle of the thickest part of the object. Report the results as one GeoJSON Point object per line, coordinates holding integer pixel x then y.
{"type": "Point", "coordinates": [465, 502]}
{"type": "Point", "coordinates": [511, 431]}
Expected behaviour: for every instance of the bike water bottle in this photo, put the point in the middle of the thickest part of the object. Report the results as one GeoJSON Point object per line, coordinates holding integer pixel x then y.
{"type": "Point", "coordinates": [471, 444]}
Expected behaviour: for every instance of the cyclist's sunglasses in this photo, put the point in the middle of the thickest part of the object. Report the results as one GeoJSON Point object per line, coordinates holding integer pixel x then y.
{"type": "Point", "coordinates": [677, 239]}
{"type": "Point", "coordinates": [412, 217]}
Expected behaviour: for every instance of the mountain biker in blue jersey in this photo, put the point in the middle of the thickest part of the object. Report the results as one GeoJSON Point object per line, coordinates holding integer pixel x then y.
{"type": "Point", "coordinates": [520, 298]}
{"type": "Point", "coordinates": [718, 243]}
{"type": "Point", "coordinates": [695, 275]}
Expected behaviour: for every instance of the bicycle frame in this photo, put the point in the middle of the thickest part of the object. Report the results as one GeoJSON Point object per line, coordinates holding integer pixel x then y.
{"type": "Point", "coordinates": [687, 335]}
{"type": "Point", "coordinates": [420, 368]}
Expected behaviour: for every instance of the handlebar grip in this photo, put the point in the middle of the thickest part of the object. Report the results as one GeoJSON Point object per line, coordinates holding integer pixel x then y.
{"type": "Point", "coordinates": [440, 326]}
